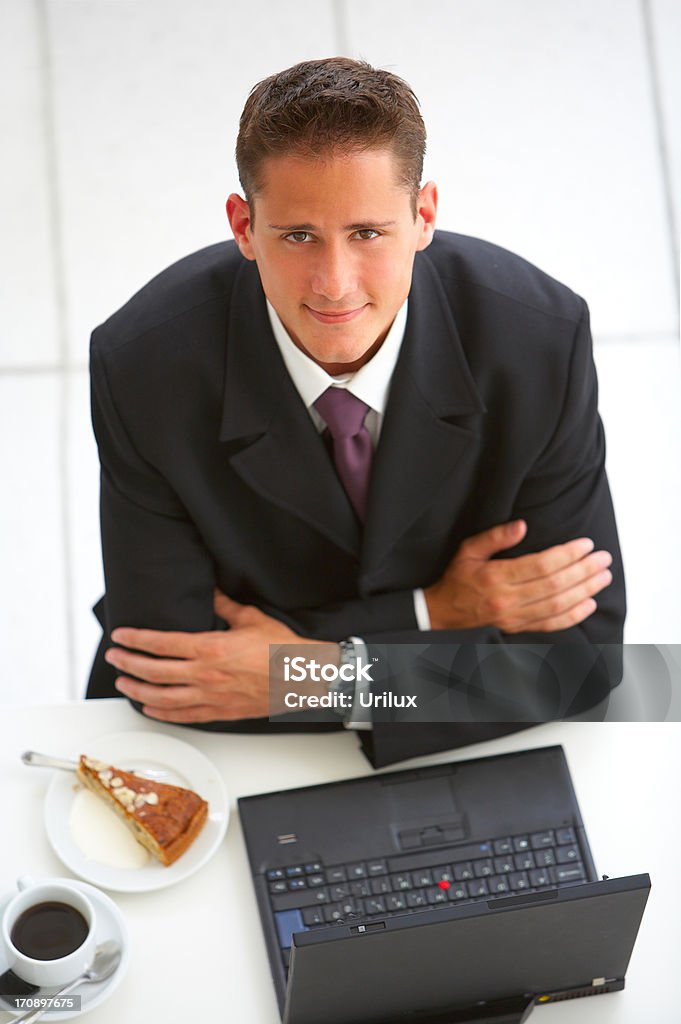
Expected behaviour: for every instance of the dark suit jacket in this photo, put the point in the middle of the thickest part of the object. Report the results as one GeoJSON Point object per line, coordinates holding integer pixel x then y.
{"type": "Point", "coordinates": [213, 473]}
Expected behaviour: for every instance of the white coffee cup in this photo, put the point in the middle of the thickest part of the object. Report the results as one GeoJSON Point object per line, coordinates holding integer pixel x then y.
{"type": "Point", "coordinates": [61, 970]}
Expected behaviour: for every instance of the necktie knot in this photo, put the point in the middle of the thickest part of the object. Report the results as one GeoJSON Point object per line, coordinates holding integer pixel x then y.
{"type": "Point", "coordinates": [343, 414]}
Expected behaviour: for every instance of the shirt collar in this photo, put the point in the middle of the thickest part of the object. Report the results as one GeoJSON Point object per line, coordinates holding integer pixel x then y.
{"type": "Point", "coordinates": [371, 383]}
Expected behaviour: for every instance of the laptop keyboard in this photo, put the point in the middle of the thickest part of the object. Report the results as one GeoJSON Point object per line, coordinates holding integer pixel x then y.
{"type": "Point", "coordinates": [315, 895]}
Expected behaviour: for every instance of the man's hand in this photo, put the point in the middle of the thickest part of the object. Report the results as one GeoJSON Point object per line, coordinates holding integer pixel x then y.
{"type": "Point", "coordinates": [544, 592]}
{"type": "Point", "coordinates": [201, 677]}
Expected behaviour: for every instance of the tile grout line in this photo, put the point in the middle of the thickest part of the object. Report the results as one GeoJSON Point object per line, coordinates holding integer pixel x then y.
{"type": "Point", "coordinates": [58, 270]}
{"type": "Point", "coordinates": [340, 27]}
{"type": "Point", "coordinates": [663, 148]}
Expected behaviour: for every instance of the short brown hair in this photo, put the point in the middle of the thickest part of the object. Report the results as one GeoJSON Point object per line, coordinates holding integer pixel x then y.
{"type": "Point", "coordinates": [320, 106]}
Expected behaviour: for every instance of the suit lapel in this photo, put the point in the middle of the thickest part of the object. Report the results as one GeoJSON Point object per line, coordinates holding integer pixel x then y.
{"type": "Point", "coordinates": [419, 448]}
{"type": "Point", "coordinates": [275, 447]}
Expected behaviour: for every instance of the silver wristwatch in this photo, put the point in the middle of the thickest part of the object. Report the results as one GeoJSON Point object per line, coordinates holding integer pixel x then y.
{"type": "Point", "coordinates": [341, 686]}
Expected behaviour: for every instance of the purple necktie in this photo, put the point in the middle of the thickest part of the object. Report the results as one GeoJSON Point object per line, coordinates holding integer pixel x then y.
{"type": "Point", "coordinates": [344, 415]}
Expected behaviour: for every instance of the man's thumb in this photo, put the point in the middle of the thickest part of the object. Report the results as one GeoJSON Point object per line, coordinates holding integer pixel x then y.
{"type": "Point", "coordinates": [483, 545]}
{"type": "Point", "coordinates": [226, 608]}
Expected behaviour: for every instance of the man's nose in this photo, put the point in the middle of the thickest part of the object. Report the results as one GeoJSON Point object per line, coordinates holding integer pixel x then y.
{"type": "Point", "coordinates": [334, 273]}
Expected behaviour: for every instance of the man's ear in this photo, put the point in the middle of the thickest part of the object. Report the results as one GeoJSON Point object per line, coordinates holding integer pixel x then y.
{"type": "Point", "coordinates": [426, 213]}
{"type": "Point", "coordinates": [239, 216]}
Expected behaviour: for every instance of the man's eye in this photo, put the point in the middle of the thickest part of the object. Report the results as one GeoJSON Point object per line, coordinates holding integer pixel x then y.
{"type": "Point", "coordinates": [367, 233]}
{"type": "Point", "coordinates": [297, 236]}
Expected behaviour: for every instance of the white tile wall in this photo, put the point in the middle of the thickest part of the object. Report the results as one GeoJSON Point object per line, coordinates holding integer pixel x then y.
{"type": "Point", "coordinates": [33, 599]}
{"type": "Point", "coordinates": [640, 401]}
{"type": "Point", "coordinates": [147, 98]}
{"type": "Point", "coordinates": [666, 25]}
{"type": "Point", "coordinates": [542, 138]}
{"type": "Point", "coordinates": [83, 518]}
{"type": "Point", "coordinates": [29, 326]}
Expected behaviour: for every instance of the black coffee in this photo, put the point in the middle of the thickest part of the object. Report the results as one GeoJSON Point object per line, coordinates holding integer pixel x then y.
{"type": "Point", "coordinates": [49, 931]}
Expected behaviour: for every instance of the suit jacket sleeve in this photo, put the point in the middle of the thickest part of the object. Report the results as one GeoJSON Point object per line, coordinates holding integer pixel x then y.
{"type": "Point", "coordinates": [566, 495]}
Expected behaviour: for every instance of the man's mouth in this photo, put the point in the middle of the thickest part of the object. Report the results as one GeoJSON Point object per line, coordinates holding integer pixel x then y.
{"type": "Point", "coordinates": [341, 317]}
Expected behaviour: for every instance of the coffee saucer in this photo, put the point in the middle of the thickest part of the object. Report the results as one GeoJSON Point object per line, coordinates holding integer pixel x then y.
{"type": "Point", "coordinates": [110, 925]}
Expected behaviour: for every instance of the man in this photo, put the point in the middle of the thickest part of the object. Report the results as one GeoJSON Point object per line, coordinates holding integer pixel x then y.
{"type": "Point", "coordinates": [344, 427]}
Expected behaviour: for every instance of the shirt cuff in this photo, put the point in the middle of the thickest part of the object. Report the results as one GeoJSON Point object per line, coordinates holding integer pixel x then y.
{"type": "Point", "coordinates": [421, 610]}
{"type": "Point", "coordinates": [360, 718]}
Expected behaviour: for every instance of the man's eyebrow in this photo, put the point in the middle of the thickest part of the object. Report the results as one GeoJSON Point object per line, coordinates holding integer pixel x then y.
{"type": "Point", "coordinates": [364, 225]}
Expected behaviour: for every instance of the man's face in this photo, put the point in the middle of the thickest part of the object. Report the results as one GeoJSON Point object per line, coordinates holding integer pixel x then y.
{"type": "Point", "coordinates": [334, 240]}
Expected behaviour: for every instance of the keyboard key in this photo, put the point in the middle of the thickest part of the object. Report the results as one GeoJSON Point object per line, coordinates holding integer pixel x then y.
{"type": "Point", "coordinates": [352, 908]}
{"type": "Point", "coordinates": [544, 858]}
{"type": "Point", "coordinates": [333, 913]}
{"type": "Point", "coordinates": [288, 922]}
{"type": "Point", "coordinates": [458, 891]}
{"type": "Point", "coordinates": [274, 874]}
{"type": "Point", "coordinates": [377, 867]}
{"type": "Point", "coordinates": [463, 872]}
{"type": "Point", "coordinates": [336, 875]}
{"type": "Point", "coordinates": [565, 835]}
{"type": "Point", "coordinates": [567, 854]}
{"type": "Point", "coordinates": [540, 876]}
{"type": "Point", "coordinates": [297, 883]}
{"type": "Point", "coordinates": [569, 873]}
{"type": "Point", "coordinates": [295, 871]}
{"type": "Point", "coordinates": [422, 878]}
{"type": "Point", "coordinates": [538, 840]}
{"type": "Point", "coordinates": [498, 884]}
{"type": "Point", "coordinates": [401, 882]}
{"type": "Point", "coordinates": [416, 899]}
{"type": "Point", "coordinates": [436, 896]}
{"type": "Point", "coordinates": [444, 873]}
{"type": "Point", "coordinates": [280, 886]}
{"type": "Point", "coordinates": [360, 888]}
{"type": "Point", "coordinates": [483, 868]}
{"type": "Point", "coordinates": [396, 902]}
{"type": "Point", "coordinates": [503, 846]}
{"type": "Point", "coordinates": [519, 880]}
{"type": "Point", "coordinates": [339, 892]}
{"type": "Point", "coordinates": [478, 887]}
{"type": "Point", "coordinates": [357, 870]}
{"type": "Point", "coordinates": [314, 880]}
{"type": "Point", "coordinates": [380, 886]}
{"type": "Point", "coordinates": [303, 898]}
{"type": "Point", "coordinates": [524, 861]}
{"type": "Point", "coordinates": [521, 843]}
{"type": "Point", "coordinates": [375, 905]}
{"type": "Point", "coordinates": [313, 869]}
{"type": "Point", "coordinates": [503, 864]}
{"type": "Point", "coordinates": [313, 916]}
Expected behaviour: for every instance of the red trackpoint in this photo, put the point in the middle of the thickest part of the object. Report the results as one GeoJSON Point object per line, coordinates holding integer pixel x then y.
{"type": "Point", "coordinates": [444, 884]}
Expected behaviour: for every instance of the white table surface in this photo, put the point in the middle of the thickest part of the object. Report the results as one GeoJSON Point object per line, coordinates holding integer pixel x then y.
{"type": "Point", "coordinates": [198, 951]}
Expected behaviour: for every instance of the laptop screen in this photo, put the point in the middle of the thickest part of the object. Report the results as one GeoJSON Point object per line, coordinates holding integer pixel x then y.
{"type": "Point", "coordinates": [399, 969]}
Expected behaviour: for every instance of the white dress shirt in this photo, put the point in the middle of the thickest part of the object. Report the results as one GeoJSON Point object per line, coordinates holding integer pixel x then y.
{"type": "Point", "coordinates": [371, 384]}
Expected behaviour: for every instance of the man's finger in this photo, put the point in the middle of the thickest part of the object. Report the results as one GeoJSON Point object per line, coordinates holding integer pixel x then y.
{"type": "Point", "coordinates": [562, 580]}
{"type": "Point", "coordinates": [483, 545]}
{"type": "Point", "coordinates": [164, 697]}
{"type": "Point", "coordinates": [226, 608]}
{"type": "Point", "coordinates": [195, 713]}
{"type": "Point", "coordinates": [546, 562]}
{"type": "Point", "coordinates": [153, 670]}
{"type": "Point", "coordinates": [157, 641]}
{"type": "Point", "coordinates": [553, 607]}
{"type": "Point", "coordinates": [571, 617]}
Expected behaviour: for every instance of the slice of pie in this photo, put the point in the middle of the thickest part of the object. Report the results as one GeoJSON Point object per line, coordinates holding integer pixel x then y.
{"type": "Point", "coordinates": [165, 819]}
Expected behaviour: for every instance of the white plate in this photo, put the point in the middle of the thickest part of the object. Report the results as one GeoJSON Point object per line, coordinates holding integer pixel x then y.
{"type": "Point", "coordinates": [110, 925]}
{"type": "Point", "coordinates": [182, 765]}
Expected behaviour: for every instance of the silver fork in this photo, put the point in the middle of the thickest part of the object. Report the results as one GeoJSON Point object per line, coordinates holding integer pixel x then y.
{"type": "Point", "coordinates": [36, 760]}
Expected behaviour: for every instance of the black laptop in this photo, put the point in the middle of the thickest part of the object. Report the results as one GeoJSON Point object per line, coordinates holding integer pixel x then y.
{"type": "Point", "coordinates": [461, 892]}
